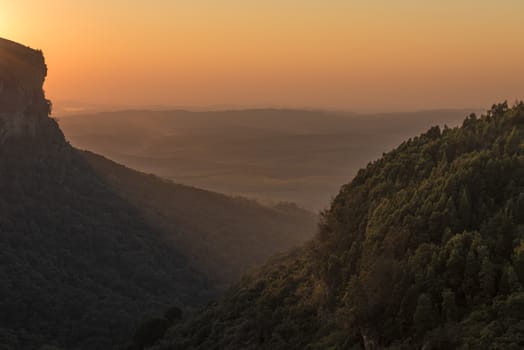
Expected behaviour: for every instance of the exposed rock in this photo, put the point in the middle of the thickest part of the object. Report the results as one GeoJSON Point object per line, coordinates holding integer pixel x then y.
{"type": "Point", "coordinates": [24, 110]}
{"type": "Point", "coordinates": [369, 340]}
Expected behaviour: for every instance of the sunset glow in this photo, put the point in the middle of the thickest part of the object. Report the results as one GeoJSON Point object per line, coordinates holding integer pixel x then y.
{"type": "Point", "coordinates": [361, 55]}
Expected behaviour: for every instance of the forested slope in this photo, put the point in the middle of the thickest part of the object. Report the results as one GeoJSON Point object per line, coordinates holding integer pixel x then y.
{"type": "Point", "coordinates": [423, 249]}
{"type": "Point", "coordinates": [80, 265]}
{"type": "Point", "coordinates": [222, 236]}
{"type": "Point", "coordinates": [89, 248]}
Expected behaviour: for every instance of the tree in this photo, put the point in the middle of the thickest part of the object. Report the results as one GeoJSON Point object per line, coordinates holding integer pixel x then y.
{"type": "Point", "coordinates": [513, 142]}
{"type": "Point", "coordinates": [173, 314]}
{"type": "Point", "coordinates": [425, 316]}
{"type": "Point", "coordinates": [509, 281]}
{"type": "Point", "coordinates": [464, 207]}
{"type": "Point", "coordinates": [449, 306]}
{"type": "Point", "coordinates": [518, 258]}
{"type": "Point", "coordinates": [487, 279]}
{"type": "Point", "coordinates": [149, 332]}
{"type": "Point", "coordinates": [470, 284]}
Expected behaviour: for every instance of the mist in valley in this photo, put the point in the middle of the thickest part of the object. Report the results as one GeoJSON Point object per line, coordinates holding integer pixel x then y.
{"type": "Point", "coordinates": [271, 155]}
{"type": "Point", "coordinates": [272, 175]}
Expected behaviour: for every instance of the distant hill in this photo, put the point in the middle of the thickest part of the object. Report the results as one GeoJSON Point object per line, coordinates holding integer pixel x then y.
{"type": "Point", "coordinates": [89, 248]}
{"type": "Point", "coordinates": [423, 249]}
{"type": "Point", "coordinates": [269, 154]}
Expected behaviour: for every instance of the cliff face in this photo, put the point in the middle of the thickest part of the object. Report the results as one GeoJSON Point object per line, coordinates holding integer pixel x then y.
{"type": "Point", "coordinates": [79, 264]}
{"type": "Point", "coordinates": [24, 110]}
{"type": "Point", "coordinates": [89, 248]}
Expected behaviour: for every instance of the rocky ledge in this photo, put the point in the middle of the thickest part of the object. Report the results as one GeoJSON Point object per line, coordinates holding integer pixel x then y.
{"type": "Point", "coordinates": [24, 110]}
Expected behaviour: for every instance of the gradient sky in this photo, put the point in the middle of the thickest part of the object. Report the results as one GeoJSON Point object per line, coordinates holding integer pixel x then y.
{"type": "Point", "coordinates": [352, 54]}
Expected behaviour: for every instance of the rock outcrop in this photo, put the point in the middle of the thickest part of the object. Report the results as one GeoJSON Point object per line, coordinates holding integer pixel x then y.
{"type": "Point", "coordinates": [24, 110]}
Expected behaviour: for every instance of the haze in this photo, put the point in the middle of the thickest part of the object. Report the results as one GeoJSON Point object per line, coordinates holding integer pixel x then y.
{"type": "Point", "coordinates": [358, 55]}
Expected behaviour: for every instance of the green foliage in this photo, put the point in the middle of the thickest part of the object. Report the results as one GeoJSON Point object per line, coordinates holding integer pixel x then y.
{"type": "Point", "coordinates": [425, 317]}
{"type": "Point", "coordinates": [423, 249]}
{"type": "Point", "coordinates": [449, 306]}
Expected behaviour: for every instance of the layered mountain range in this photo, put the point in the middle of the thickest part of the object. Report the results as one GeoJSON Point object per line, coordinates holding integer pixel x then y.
{"type": "Point", "coordinates": [423, 249]}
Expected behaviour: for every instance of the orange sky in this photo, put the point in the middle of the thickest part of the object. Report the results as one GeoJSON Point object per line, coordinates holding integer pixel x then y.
{"type": "Point", "coordinates": [340, 54]}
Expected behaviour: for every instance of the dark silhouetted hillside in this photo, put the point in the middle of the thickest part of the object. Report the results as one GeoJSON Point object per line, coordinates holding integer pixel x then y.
{"type": "Point", "coordinates": [221, 235]}
{"type": "Point", "coordinates": [88, 248]}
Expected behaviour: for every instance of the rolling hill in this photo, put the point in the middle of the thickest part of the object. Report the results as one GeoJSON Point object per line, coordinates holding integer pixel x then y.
{"type": "Point", "coordinates": [268, 154]}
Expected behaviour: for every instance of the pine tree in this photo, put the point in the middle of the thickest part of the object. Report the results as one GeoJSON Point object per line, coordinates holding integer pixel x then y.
{"type": "Point", "coordinates": [464, 208]}
{"type": "Point", "coordinates": [449, 306]}
{"type": "Point", "coordinates": [425, 316]}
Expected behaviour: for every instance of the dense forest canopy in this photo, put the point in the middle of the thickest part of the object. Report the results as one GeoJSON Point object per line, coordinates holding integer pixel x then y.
{"type": "Point", "coordinates": [424, 248]}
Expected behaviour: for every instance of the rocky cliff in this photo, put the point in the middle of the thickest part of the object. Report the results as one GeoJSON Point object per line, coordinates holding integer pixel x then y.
{"type": "Point", "coordinates": [89, 248]}
{"type": "Point", "coordinates": [24, 110]}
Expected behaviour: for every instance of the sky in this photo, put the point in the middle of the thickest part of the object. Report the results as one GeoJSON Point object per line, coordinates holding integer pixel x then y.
{"type": "Point", "coordinates": [361, 55]}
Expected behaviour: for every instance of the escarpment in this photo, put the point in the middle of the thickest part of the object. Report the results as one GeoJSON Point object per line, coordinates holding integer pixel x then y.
{"type": "Point", "coordinates": [90, 248]}
{"type": "Point", "coordinates": [24, 110]}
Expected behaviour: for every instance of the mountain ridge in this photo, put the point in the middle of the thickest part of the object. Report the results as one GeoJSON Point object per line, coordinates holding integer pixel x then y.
{"type": "Point", "coordinates": [270, 155]}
